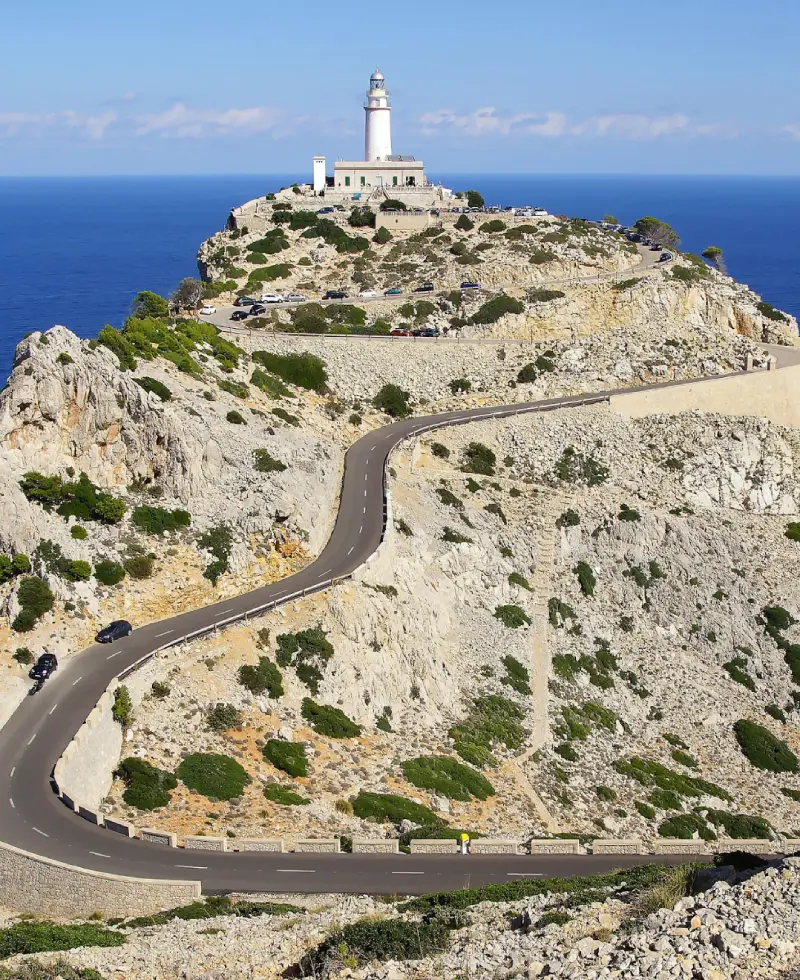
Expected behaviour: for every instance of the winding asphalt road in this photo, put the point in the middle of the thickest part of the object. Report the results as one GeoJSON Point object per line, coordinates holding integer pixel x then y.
{"type": "Point", "coordinates": [32, 816]}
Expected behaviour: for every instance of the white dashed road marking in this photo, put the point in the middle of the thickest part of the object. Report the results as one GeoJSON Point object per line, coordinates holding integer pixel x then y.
{"type": "Point", "coordinates": [361, 529]}
{"type": "Point", "coordinates": [31, 739]}
{"type": "Point", "coordinates": [161, 634]}
{"type": "Point", "coordinates": [523, 874]}
{"type": "Point", "coordinates": [98, 854]}
{"type": "Point", "coordinates": [221, 613]}
{"type": "Point", "coordinates": [41, 832]}
{"type": "Point", "coordinates": [12, 803]}
{"type": "Point", "coordinates": [298, 871]}
{"type": "Point", "coordinates": [53, 708]}
{"type": "Point", "coordinates": [195, 867]}
{"type": "Point", "coordinates": [11, 774]}
{"type": "Point", "coordinates": [351, 550]}
{"type": "Point", "coordinates": [408, 872]}
{"type": "Point", "coordinates": [76, 682]}
{"type": "Point", "coordinates": [118, 653]}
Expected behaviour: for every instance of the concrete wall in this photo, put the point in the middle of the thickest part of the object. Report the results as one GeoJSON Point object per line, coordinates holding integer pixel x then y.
{"type": "Point", "coordinates": [84, 771]}
{"type": "Point", "coordinates": [29, 883]}
{"type": "Point", "coordinates": [401, 221]}
{"type": "Point", "coordinates": [767, 394]}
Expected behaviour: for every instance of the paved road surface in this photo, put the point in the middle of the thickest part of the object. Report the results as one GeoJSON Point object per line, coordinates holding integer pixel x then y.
{"type": "Point", "coordinates": [33, 818]}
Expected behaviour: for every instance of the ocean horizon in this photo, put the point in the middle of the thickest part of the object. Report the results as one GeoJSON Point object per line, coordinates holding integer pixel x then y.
{"type": "Point", "coordinates": [76, 250]}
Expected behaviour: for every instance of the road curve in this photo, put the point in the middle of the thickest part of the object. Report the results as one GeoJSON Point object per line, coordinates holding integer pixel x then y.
{"type": "Point", "coordinates": [32, 816]}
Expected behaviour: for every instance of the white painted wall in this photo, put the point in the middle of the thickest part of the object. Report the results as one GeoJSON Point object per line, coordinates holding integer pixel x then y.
{"type": "Point", "coordinates": [378, 130]}
{"type": "Point", "coordinates": [319, 174]}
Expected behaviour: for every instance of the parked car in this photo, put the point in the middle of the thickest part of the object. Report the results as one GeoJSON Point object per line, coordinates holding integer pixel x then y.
{"type": "Point", "coordinates": [335, 294]}
{"type": "Point", "coordinates": [245, 301]}
{"type": "Point", "coordinates": [425, 287]}
{"type": "Point", "coordinates": [114, 631]}
{"type": "Point", "coordinates": [470, 285]}
{"type": "Point", "coordinates": [44, 667]}
{"type": "Point", "coordinates": [257, 309]}
{"type": "Point", "coordinates": [399, 333]}
{"type": "Point", "coordinates": [208, 310]}
{"type": "Point", "coordinates": [368, 293]}
{"type": "Point", "coordinates": [655, 248]}
{"type": "Point", "coordinates": [394, 291]}
{"type": "Point", "coordinates": [240, 314]}
{"type": "Point", "coordinates": [429, 332]}
{"type": "Point", "coordinates": [325, 211]}
{"type": "Point", "coordinates": [664, 257]}
{"type": "Point", "coordinates": [271, 298]}
{"type": "Point", "coordinates": [295, 298]}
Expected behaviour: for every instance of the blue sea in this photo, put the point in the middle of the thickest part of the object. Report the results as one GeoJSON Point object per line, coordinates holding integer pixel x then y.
{"type": "Point", "coordinates": [77, 250]}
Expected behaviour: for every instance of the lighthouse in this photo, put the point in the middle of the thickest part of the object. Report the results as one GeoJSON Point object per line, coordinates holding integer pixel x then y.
{"type": "Point", "coordinates": [378, 126]}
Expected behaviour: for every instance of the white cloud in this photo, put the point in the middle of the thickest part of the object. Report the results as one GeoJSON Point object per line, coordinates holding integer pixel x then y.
{"type": "Point", "coordinates": [86, 125]}
{"type": "Point", "coordinates": [553, 124]}
{"type": "Point", "coordinates": [792, 130]}
{"type": "Point", "coordinates": [182, 122]}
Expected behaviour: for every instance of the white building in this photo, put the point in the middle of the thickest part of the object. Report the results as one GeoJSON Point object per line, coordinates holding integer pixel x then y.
{"type": "Point", "coordinates": [381, 174]}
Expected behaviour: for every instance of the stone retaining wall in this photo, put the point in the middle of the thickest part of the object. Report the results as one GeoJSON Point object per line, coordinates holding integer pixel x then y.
{"type": "Point", "coordinates": [84, 771]}
{"type": "Point", "coordinates": [362, 846]}
{"type": "Point", "coordinates": [486, 845]}
{"type": "Point", "coordinates": [431, 846]}
{"type": "Point", "coordinates": [317, 845]}
{"type": "Point", "coordinates": [618, 847]}
{"type": "Point", "coordinates": [38, 885]}
{"type": "Point", "coordinates": [259, 844]}
{"type": "Point", "coordinates": [556, 846]}
{"type": "Point", "coordinates": [200, 843]}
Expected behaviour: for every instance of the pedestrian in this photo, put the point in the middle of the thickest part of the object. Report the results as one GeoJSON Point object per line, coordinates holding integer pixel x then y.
{"type": "Point", "coordinates": [464, 838]}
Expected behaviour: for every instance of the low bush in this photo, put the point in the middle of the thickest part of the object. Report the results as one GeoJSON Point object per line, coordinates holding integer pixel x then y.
{"type": "Point", "coordinates": [390, 808]}
{"type": "Point", "coordinates": [737, 671]}
{"type": "Point", "coordinates": [146, 787]}
{"type": "Point", "coordinates": [447, 777]}
{"type": "Point", "coordinates": [109, 572]}
{"type": "Point", "coordinates": [493, 226]}
{"type": "Point", "coordinates": [393, 400]}
{"type": "Point", "coordinates": [769, 311]}
{"type": "Point", "coordinates": [139, 566]}
{"type": "Point", "coordinates": [218, 541]}
{"type": "Point", "coordinates": [493, 720]}
{"type": "Point", "coordinates": [155, 387]}
{"type": "Point", "coordinates": [479, 459]}
{"type": "Point", "coordinates": [23, 655]}
{"type": "Point", "coordinates": [236, 418]}
{"type": "Point", "coordinates": [329, 721]}
{"type": "Point", "coordinates": [763, 749]}
{"type": "Point", "coordinates": [46, 937]}
{"type": "Point", "coordinates": [497, 510]}
{"type": "Point", "coordinates": [454, 537]}
{"type": "Point", "coordinates": [793, 531]}
{"type": "Point", "coordinates": [512, 616]}
{"type": "Point", "coordinates": [570, 518]}
{"type": "Point", "coordinates": [517, 676]}
{"type": "Point", "coordinates": [272, 386]}
{"type": "Point", "coordinates": [449, 499]}
{"type": "Point", "coordinates": [302, 370]}
{"type": "Point", "coordinates": [215, 776]}
{"type": "Point", "coordinates": [647, 772]}
{"type": "Point", "coordinates": [775, 712]}
{"type": "Point", "coordinates": [262, 678]}
{"type": "Point", "coordinates": [541, 256]}
{"type": "Point", "coordinates": [160, 690]}
{"type": "Point", "coordinates": [284, 796]}
{"type": "Point", "coordinates": [495, 308]}
{"type": "Point", "coordinates": [223, 717]}
{"type": "Point", "coordinates": [287, 417]}
{"type": "Point", "coordinates": [122, 709]}
{"type": "Point", "coordinates": [236, 388]}
{"type": "Point", "coordinates": [460, 386]}
{"type": "Point", "coordinates": [792, 794]}
{"type": "Point", "coordinates": [544, 295]}
{"type": "Point", "coordinates": [686, 826]}
{"type": "Point", "coordinates": [464, 223]}
{"type": "Point", "coordinates": [627, 513]}
{"type": "Point", "coordinates": [368, 940]}
{"type": "Point", "coordinates": [289, 757]}
{"type": "Point", "coordinates": [683, 757]}
{"type": "Point", "coordinates": [264, 462]}
{"type": "Point", "coordinates": [741, 825]}
{"type": "Point", "coordinates": [209, 908]}
{"type": "Point", "coordinates": [586, 578]}
{"type": "Point", "coordinates": [516, 578]}
{"type": "Point", "coordinates": [605, 793]}
{"type": "Point", "coordinates": [78, 532]}
{"type": "Point", "coordinates": [156, 520]}
{"type": "Point", "coordinates": [80, 499]}
{"type": "Point", "coordinates": [440, 451]}
{"type": "Point", "coordinates": [624, 284]}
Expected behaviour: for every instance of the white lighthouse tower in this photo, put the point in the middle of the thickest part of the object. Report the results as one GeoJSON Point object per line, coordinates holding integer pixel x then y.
{"type": "Point", "coordinates": [378, 127]}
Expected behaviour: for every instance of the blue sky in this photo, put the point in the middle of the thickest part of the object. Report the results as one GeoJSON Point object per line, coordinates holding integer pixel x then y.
{"type": "Point", "coordinates": [622, 86]}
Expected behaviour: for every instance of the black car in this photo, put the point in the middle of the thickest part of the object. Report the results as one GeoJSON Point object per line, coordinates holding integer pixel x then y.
{"type": "Point", "coordinates": [245, 301]}
{"type": "Point", "coordinates": [44, 667]}
{"type": "Point", "coordinates": [114, 631]}
{"type": "Point", "coordinates": [426, 287]}
{"type": "Point", "coordinates": [429, 332]}
{"type": "Point", "coordinates": [257, 309]}
{"type": "Point", "coordinates": [240, 315]}
{"type": "Point", "coordinates": [335, 294]}
{"type": "Point", "coordinates": [470, 285]}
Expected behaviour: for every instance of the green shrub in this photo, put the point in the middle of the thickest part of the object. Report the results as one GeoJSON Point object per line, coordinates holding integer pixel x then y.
{"type": "Point", "coordinates": [517, 676]}
{"type": "Point", "coordinates": [329, 721]}
{"type": "Point", "coordinates": [765, 309]}
{"type": "Point", "coordinates": [762, 749]}
{"type": "Point", "coordinates": [146, 787]}
{"type": "Point", "coordinates": [645, 810]}
{"type": "Point", "coordinates": [544, 295]}
{"type": "Point", "coordinates": [122, 709]}
{"type": "Point", "coordinates": [160, 690]}
{"type": "Point", "coordinates": [624, 284]}
{"type": "Point", "coordinates": [81, 499]}
{"type": "Point", "coordinates": [792, 794]}
{"type": "Point", "coordinates": [495, 308]}
{"type": "Point", "coordinates": [493, 226]}
{"type": "Point", "coordinates": [650, 773]}
{"type": "Point", "coordinates": [775, 712]}
{"type": "Point", "coordinates": [109, 572]}
{"type": "Point", "coordinates": [156, 520]}
{"type": "Point", "coordinates": [236, 388]}
{"type": "Point", "coordinates": [493, 720]}
{"type": "Point", "coordinates": [268, 273]}
{"type": "Point", "coordinates": [627, 513]}
{"type": "Point", "coordinates": [219, 542]}
{"type": "Point", "coordinates": [448, 498]}
{"type": "Point", "coordinates": [512, 616]}
{"type": "Point", "coordinates": [685, 826]}
{"type": "Point", "coordinates": [541, 256]}
{"type": "Point", "coordinates": [272, 386]}
{"type": "Point", "coordinates": [302, 370]}
{"type": "Point", "coordinates": [586, 578]}
{"type": "Point", "coordinates": [479, 459]}
{"type": "Point", "coordinates": [566, 751]}
{"type": "Point", "coordinates": [155, 387]}
{"type": "Point", "coordinates": [78, 532]}
{"type": "Point", "coordinates": [263, 677]}
{"type": "Point", "coordinates": [367, 940]}
{"type": "Point", "coordinates": [54, 970]}
{"type": "Point", "coordinates": [139, 566]}
{"type": "Point", "coordinates": [516, 578]}
{"type": "Point", "coordinates": [284, 796]}
{"type": "Point", "coordinates": [741, 825]}
{"type": "Point", "coordinates": [495, 508]}
{"type": "Point", "coordinates": [35, 599]}
{"type": "Point", "coordinates": [575, 467]}
{"type": "Point", "coordinates": [464, 223]}
{"type": "Point", "coordinates": [223, 717]}
{"type": "Point", "coordinates": [447, 777]}
{"type": "Point", "coordinates": [569, 518]}
{"type": "Point", "coordinates": [736, 669]}
{"type": "Point", "coordinates": [665, 799]}
{"type": "Point", "coordinates": [211, 907]}
{"type": "Point", "coordinates": [679, 755]}
{"type": "Point", "coordinates": [236, 418]}
{"type": "Point", "coordinates": [45, 937]}
{"type": "Point", "coordinates": [453, 537]}
{"type": "Point", "coordinates": [392, 400]}
{"type": "Point", "coordinates": [290, 757]}
{"type": "Point", "coordinates": [23, 655]}
{"type": "Point", "coordinates": [440, 451]}
{"type": "Point", "coordinates": [266, 463]}
{"type": "Point", "coordinates": [217, 777]}
{"type": "Point", "coordinates": [605, 793]}
{"type": "Point", "coordinates": [390, 808]}
{"type": "Point", "coordinates": [460, 386]}
{"type": "Point", "coordinates": [285, 416]}
{"type": "Point", "coordinates": [793, 531]}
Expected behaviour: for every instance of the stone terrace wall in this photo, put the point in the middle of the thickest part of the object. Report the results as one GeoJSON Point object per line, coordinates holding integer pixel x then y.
{"type": "Point", "coordinates": [84, 771]}
{"type": "Point", "coordinates": [29, 883]}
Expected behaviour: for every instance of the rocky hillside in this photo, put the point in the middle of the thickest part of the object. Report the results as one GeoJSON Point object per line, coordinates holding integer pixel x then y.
{"type": "Point", "coordinates": [718, 924]}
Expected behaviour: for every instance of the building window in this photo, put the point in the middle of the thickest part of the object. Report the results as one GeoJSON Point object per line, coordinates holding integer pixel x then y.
{"type": "Point", "coordinates": [347, 182]}
{"type": "Point", "coordinates": [394, 181]}
{"type": "Point", "coordinates": [363, 181]}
